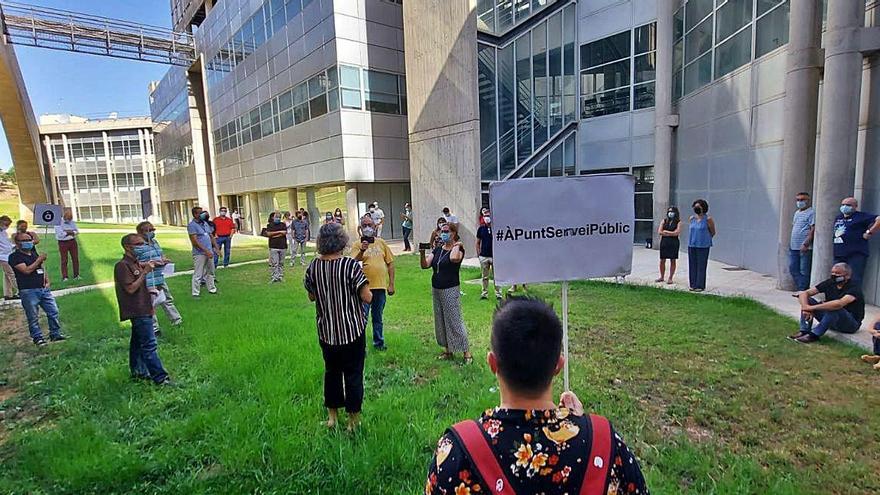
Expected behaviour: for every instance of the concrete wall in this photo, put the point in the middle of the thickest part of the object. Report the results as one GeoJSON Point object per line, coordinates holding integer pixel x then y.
{"type": "Point", "coordinates": [441, 61]}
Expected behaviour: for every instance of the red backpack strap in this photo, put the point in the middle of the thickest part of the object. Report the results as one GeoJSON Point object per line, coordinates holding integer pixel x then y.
{"type": "Point", "coordinates": [599, 461]}
{"type": "Point", "coordinates": [471, 436]}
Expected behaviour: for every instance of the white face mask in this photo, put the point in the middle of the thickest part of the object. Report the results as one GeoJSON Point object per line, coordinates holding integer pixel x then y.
{"type": "Point", "coordinates": [487, 219]}
{"type": "Point", "coordinates": [222, 213]}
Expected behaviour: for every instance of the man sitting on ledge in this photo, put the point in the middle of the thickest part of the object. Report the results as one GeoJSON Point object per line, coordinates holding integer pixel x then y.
{"type": "Point", "coordinates": [842, 311]}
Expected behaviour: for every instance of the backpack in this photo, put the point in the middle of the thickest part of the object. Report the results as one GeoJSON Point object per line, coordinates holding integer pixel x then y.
{"type": "Point", "coordinates": [471, 438]}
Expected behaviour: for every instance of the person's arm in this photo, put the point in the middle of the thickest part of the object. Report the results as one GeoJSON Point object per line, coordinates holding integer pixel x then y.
{"type": "Point", "coordinates": [457, 253]}
{"type": "Point", "coordinates": [366, 294]}
{"type": "Point", "coordinates": [389, 261]}
{"type": "Point", "coordinates": [873, 228]}
{"type": "Point", "coordinates": [28, 269]}
{"type": "Point", "coordinates": [625, 467]}
{"type": "Point", "coordinates": [809, 240]}
{"type": "Point", "coordinates": [711, 222]}
{"type": "Point", "coordinates": [361, 251]}
{"type": "Point", "coordinates": [425, 260]}
{"type": "Point", "coordinates": [832, 305]}
{"type": "Point", "coordinates": [660, 230]}
{"type": "Point", "coordinates": [193, 239]}
{"type": "Point", "coordinates": [677, 231]}
{"type": "Point", "coordinates": [134, 285]}
{"type": "Point", "coordinates": [448, 481]}
{"type": "Point", "coordinates": [35, 237]}
{"type": "Point", "coordinates": [804, 297]}
{"type": "Point", "coordinates": [478, 244]}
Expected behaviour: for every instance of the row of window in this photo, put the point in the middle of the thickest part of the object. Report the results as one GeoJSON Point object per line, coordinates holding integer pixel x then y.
{"type": "Point", "coordinates": [559, 162]}
{"type": "Point", "coordinates": [123, 181]}
{"type": "Point", "coordinates": [715, 37]}
{"type": "Point", "coordinates": [254, 32]}
{"type": "Point", "coordinates": [343, 86]}
{"type": "Point", "coordinates": [618, 72]}
{"type": "Point", "coordinates": [127, 213]}
{"type": "Point", "coordinates": [95, 150]}
{"type": "Point", "coordinates": [527, 92]}
{"type": "Point", "coordinates": [497, 16]}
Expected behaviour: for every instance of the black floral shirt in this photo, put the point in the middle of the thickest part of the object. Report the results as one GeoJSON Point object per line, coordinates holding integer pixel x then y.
{"type": "Point", "coordinates": [541, 452]}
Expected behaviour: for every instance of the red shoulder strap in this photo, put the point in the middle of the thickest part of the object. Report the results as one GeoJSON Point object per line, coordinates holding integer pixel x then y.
{"type": "Point", "coordinates": [599, 461]}
{"type": "Point", "coordinates": [471, 435]}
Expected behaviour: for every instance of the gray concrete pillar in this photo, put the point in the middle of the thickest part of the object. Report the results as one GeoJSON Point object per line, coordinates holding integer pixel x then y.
{"type": "Point", "coordinates": [352, 213]}
{"type": "Point", "coordinates": [111, 178]}
{"type": "Point", "coordinates": [292, 200]}
{"type": "Point", "coordinates": [800, 121]}
{"type": "Point", "coordinates": [663, 113]}
{"type": "Point", "coordinates": [74, 203]}
{"type": "Point", "coordinates": [253, 211]}
{"type": "Point", "coordinates": [835, 176]}
{"type": "Point", "coordinates": [315, 218]}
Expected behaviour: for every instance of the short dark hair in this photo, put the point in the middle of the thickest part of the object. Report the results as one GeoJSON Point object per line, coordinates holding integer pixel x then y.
{"type": "Point", "coordinates": [126, 239]}
{"type": "Point", "coordinates": [703, 204]}
{"type": "Point", "coordinates": [142, 225]}
{"type": "Point", "coordinates": [195, 209]}
{"type": "Point", "coordinates": [20, 222]}
{"type": "Point", "coordinates": [5, 219]}
{"type": "Point", "coordinates": [527, 341]}
{"type": "Point", "coordinates": [446, 210]}
{"type": "Point", "coordinates": [803, 194]}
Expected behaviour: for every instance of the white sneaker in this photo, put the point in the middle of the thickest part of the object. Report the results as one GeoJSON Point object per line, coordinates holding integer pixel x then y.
{"type": "Point", "coordinates": [212, 291]}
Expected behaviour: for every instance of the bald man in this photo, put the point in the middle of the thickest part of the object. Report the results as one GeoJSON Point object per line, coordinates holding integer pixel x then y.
{"type": "Point", "coordinates": [852, 231]}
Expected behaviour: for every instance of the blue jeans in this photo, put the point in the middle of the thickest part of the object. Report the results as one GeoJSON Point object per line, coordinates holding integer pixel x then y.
{"type": "Point", "coordinates": [143, 355]}
{"type": "Point", "coordinates": [840, 321]}
{"type": "Point", "coordinates": [32, 300]}
{"type": "Point", "coordinates": [799, 265]}
{"type": "Point", "coordinates": [377, 306]}
{"type": "Point", "coordinates": [223, 243]}
{"type": "Point", "coordinates": [406, 234]}
{"type": "Point", "coordinates": [856, 262]}
{"type": "Point", "coordinates": [698, 261]}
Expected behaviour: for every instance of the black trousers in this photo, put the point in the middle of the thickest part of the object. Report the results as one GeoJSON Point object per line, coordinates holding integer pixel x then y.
{"type": "Point", "coordinates": [344, 374]}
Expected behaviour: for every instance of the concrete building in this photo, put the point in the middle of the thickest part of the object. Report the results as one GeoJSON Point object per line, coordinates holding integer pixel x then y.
{"type": "Point", "coordinates": [101, 166]}
{"type": "Point", "coordinates": [696, 98]}
{"type": "Point", "coordinates": [293, 103]}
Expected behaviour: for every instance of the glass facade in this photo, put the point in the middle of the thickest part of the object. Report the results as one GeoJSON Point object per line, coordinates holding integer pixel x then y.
{"type": "Point", "coordinates": [618, 72]}
{"type": "Point", "coordinates": [346, 86]}
{"type": "Point", "coordinates": [527, 91]}
{"type": "Point", "coordinates": [498, 16]}
{"type": "Point", "coordinates": [715, 37]}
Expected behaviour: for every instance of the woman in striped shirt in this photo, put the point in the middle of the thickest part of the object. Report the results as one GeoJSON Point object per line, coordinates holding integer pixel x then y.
{"type": "Point", "coordinates": [339, 289]}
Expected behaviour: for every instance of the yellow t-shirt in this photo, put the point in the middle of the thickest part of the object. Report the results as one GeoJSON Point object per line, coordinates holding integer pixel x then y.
{"type": "Point", "coordinates": [376, 259]}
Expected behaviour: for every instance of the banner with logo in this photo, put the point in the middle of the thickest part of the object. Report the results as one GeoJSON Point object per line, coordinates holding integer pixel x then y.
{"type": "Point", "coordinates": [562, 228]}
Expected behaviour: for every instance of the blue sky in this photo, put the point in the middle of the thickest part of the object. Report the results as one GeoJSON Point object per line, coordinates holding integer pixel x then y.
{"type": "Point", "coordinates": [90, 85]}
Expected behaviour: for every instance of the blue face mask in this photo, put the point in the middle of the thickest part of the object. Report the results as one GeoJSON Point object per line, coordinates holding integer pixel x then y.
{"type": "Point", "coordinates": [27, 245]}
{"type": "Point", "coordinates": [801, 205]}
{"type": "Point", "coordinates": [846, 210]}
{"type": "Point", "coordinates": [276, 220]}
{"type": "Point", "coordinates": [204, 216]}
{"type": "Point", "coordinates": [445, 236]}
{"type": "Point", "coordinates": [670, 215]}
{"type": "Point", "coordinates": [150, 236]}
{"type": "Point", "coordinates": [141, 250]}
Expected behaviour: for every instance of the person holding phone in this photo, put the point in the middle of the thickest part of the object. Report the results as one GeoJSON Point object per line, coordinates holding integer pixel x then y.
{"type": "Point", "coordinates": [378, 266]}
{"type": "Point", "coordinates": [33, 287]}
{"type": "Point", "coordinates": [159, 291]}
{"type": "Point", "coordinates": [445, 262]}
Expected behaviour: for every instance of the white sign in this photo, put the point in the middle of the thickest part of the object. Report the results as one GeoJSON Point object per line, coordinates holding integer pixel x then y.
{"type": "Point", "coordinates": [45, 214]}
{"type": "Point", "coordinates": [168, 269]}
{"type": "Point", "coordinates": [562, 228]}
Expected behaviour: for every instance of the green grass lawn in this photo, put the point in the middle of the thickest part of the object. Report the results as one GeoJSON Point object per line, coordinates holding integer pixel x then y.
{"type": "Point", "coordinates": [9, 205]}
{"type": "Point", "coordinates": [706, 390]}
{"type": "Point", "coordinates": [98, 252]}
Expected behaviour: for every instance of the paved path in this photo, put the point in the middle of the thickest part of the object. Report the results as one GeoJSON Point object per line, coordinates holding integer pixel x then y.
{"type": "Point", "coordinates": [726, 280]}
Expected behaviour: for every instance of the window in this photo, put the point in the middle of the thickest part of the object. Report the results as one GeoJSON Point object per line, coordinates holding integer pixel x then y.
{"type": "Point", "coordinates": [488, 112]}
{"type": "Point", "coordinates": [540, 84]}
{"type": "Point", "coordinates": [569, 91]}
{"type": "Point", "coordinates": [381, 93]}
{"type": "Point", "coordinates": [772, 29]}
{"type": "Point", "coordinates": [523, 49]}
{"type": "Point", "coordinates": [506, 113]}
{"type": "Point", "coordinates": [350, 84]}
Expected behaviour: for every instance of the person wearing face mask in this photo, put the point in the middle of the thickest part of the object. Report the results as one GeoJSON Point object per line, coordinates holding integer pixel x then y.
{"type": "Point", "coordinates": [445, 262]}
{"type": "Point", "coordinates": [328, 218]}
{"type": "Point", "coordinates": [66, 233]}
{"type": "Point", "coordinates": [842, 311]}
{"type": "Point", "coordinates": [276, 231]}
{"type": "Point", "coordinates": [435, 234]}
{"type": "Point", "coordinates": [136, 306]}
{"type": "Point", "coordinates": [407, 226]}
{"type": "Point", "coordinates": [21, 227]}
{"type": "Point", "coordinates": [669, 231]}
{"type": "Point", "coordinates": [378, 266]}
{"type": "Point", "coordinates": [33, 287]}
{"type": "Point", "coordinates": [700, 234]}
{"type": "Point", "coordinates": [852, 231]}
{"type": "Point", "coordinates": [337, 217]}
{"type": "Point", "coordinates": [803, 228]}
{"type": "Point", "coordinates": [10, 289]}
{"type": "Point", "coordinates": [203, 249]}
{"type": "Point", "coordinates": [378, 217]}
{"type": "Point", "coordinates": [224, 230]}
{"type": "Point", "coordinates": [484, 251]}
{"type": "Point", "coordinates": [301, 234]}
{"type": "Point", "coordinates": [159, 291]}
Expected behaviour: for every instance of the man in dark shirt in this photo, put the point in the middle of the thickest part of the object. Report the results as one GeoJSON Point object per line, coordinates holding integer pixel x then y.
{"type": "Point", "coordinates": [33, 287]}
{"type": "Point", "coordinates": [135, 304]}
{"type": "Point", "coordinates": [852, 230]}
{"type": "Point", "coordinates": [529, 444]}
{"type": "Point", "coordinates": [842, 311]}
{"type": "Point", "coordinates": [484, 251]}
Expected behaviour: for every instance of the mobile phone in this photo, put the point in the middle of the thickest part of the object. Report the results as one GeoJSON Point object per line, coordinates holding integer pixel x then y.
{"type": "Point", "coordinates": [424, 246]}
{"type": "Point", "coordinates": [369, 240]}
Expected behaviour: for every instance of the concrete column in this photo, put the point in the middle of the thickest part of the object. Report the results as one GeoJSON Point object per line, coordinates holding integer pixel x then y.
{"type": "Point", "coordinates": [114, 193]}
{"type": "Point", "coordinates": [352, 213]}
{"type": "Point", "coordinates": [150, 157]}
{"type": "Point", "coordinates": [663, 113]}
{"type": "Point", "coordinates": [800, 121]}
{"type": "Point", "coordinates": [253, 206]}
{"type": "Point", "coordinates": [74, 203]}
{"type": "Point", "coordinates": [835, 177]}
{"type": "Point", "coordinates": [312, 207]}
{"type": "Point", "coordinates": [292, 201]}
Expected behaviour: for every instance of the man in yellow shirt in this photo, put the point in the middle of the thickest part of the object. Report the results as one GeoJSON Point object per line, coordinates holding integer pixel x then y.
{"type": "Point", "coordinates": [378, 262]}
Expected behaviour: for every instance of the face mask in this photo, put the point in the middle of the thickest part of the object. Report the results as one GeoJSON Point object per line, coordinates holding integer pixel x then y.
{"type": "Point", "coordinates": [846, 209]}
{"type": "Point", "coordinates": [222, 213]}
{"type": "Point", "coordinates": [487, 219]}
{"type": "Point", "coordinates": [368, 231]}
{"type": "Point", "coordinates": [203, 216]}
{"type": "Point", "coordinates": [445, 236]}
{"type": "Point", "coordinates": [276, 220]}
{"type": "Point", "coordinates": [372, 210]}
{"type": "Point", "coordinates": [801, 205]}
{"type": "Point", "coordinates": [150, 235]}
{"type": "Point", "coordinates": [698, 210]}
{"type": "Point", "coordinates": [838, 279]}
{"type": "Point", "coordinates": [140, 250]}
{"type": "Point", "coordinates": [27, 245]}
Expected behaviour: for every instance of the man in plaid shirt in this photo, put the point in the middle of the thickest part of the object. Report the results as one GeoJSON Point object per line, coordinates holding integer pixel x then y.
{"type": "Point", "coordinates": [156, 279]}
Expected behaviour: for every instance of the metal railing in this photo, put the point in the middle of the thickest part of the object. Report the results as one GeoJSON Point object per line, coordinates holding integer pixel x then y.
{"type": "Point", "coordinates": [56, 29]}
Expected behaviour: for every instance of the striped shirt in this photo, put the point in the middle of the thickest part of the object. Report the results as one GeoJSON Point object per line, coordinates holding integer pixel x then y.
{"type": "Point", "coordinates": [801, 224]}
{"type": "Point", "coordinates": [339, 310]}
{"type": "Point", "coordinates": [157, 276]}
